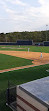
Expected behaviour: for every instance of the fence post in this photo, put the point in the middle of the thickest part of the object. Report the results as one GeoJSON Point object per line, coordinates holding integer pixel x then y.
{"type": "Point", "coordinates": [8, 92]}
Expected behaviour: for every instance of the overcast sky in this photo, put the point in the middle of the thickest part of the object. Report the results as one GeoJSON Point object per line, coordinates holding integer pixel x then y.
{"type": "Point", "coordinates": [23, 15]}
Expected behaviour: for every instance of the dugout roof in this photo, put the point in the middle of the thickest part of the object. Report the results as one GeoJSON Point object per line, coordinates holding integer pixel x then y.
{"type": "Point", "coordinates": [39, 89]}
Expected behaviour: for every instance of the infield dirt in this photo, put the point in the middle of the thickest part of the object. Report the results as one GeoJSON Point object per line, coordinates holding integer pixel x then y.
{"type": "Point", "coordinates": [35, 56]}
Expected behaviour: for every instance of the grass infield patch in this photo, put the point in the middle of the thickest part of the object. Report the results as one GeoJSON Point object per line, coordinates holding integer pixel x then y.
{"type": "Point", "coordinates": [7, 61]}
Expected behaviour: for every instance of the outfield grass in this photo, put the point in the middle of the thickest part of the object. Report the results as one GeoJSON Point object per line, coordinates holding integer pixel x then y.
{"type": "Point", "coordinates": [7, 61]}
{"type": "Point", "coordinates": [19, 77]}
{"type": "Point", "coordinates": [25, 48]}
{"type": "Point", "coordinates": [23, 75]}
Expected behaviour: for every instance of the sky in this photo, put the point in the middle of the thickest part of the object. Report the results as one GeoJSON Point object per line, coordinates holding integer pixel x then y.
{"type": "Point", "coordinates": [24, 15]}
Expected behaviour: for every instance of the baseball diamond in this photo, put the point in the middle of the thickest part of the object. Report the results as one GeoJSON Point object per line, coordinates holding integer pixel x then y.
{"type": "Point", "coordinates": [24, 73]}
{"type": "Point", "coordinates": [35, 56]}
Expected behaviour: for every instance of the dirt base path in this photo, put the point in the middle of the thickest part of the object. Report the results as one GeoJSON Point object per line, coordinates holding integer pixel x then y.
{"type": "Point", "coordinates": [35, 56]}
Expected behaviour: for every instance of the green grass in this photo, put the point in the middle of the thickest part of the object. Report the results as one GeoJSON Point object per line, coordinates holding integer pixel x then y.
{"type": "Point", "coordinates": [23, 75]}
{"type": "Point", "coordinates": [7, 61]}
{"type": "Point", "coordinates": [19, 77]}
{"type": "Point", "coordinates": [25, 48]}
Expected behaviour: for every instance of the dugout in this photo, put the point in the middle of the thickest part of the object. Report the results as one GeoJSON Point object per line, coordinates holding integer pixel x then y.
{"type": "Point", "coordinates": [24, 42]}
{"type": "Point", "coordinates": [38, 43]}
{"type": "Point", "coordinates": [46, 43]}
{"type": "Point", "coordinates": [33, 96]}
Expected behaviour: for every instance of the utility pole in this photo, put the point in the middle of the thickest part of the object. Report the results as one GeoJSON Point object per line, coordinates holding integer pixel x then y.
{"type": "Point", "coordinates": [46, 32]}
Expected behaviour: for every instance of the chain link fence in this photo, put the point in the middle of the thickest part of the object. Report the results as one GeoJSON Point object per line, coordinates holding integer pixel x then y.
{"type": "Point", "coordinates": [11, 96]}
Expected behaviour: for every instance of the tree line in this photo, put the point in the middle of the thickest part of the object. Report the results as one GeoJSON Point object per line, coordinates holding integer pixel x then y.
{"type": "Point", "coordinates": [36, 36]}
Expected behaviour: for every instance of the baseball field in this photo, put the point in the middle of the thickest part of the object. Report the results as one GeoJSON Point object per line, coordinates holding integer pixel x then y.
{"type": "Point", "coordinates": [19, 65]}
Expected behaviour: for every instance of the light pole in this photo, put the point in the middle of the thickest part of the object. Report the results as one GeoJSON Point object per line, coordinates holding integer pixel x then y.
{"type": "Point", "coordinates": [46, 32]}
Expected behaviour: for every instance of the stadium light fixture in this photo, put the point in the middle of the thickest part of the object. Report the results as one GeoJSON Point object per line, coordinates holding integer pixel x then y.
{"type": "Point", "coordinates": [46, 31]}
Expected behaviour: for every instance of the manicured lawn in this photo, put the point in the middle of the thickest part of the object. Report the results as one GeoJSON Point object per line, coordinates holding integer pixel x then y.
{"type": "Point", "coordinates": [19, 77]}
{"type": "Point", "coordinates": [25, 48]}
{"type": "Point", "coordinates": [23, 75]}
{"type": "Point", "coordinates": [7, 61]}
